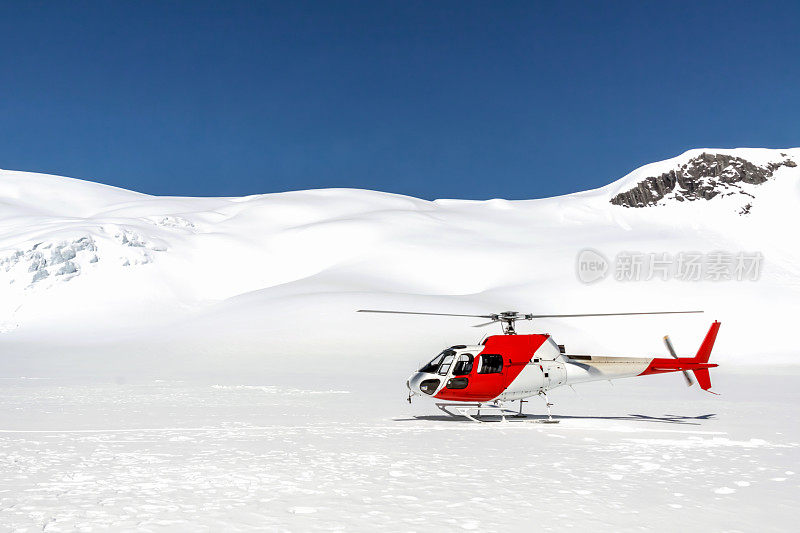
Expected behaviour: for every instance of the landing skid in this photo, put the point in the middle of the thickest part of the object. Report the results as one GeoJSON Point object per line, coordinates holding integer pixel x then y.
{"type": "Point", "coordinates": [473, 411]}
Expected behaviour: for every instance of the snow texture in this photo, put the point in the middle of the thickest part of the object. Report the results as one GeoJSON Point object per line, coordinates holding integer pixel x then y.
{"type": "Point", "coordinates": [647, 454]}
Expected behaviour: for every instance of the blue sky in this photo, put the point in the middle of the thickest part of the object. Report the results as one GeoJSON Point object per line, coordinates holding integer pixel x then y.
{"type": "Point", "coordinates": [432, 99]}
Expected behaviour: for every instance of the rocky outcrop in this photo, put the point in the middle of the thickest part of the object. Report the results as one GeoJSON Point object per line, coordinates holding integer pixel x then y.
{"type": "Point", "coordinates": [702, 177]}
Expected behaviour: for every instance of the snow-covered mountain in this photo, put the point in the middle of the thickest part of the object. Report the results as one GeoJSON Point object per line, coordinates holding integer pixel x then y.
{"type": "Point", "coordinates": [702, 175]}
{"type": "Point", "coordinates": [88, 270]}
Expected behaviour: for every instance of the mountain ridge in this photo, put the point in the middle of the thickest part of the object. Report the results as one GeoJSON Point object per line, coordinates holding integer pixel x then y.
{"type": "Point", "coordinates": [703, 176]}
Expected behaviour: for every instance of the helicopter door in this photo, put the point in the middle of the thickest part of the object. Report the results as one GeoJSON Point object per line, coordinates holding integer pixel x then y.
{"type": "Point", "coordinates": [554, 374]}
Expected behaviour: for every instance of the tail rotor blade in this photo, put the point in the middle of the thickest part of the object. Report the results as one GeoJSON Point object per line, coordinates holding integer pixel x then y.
{"type": "Point", "coordinates": [686, 376]}
{"type": "Point", "coordinates": [669, 346]}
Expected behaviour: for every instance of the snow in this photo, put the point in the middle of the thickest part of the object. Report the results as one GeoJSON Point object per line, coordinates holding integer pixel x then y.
{"type": "Point", "coordinates": [254, 274]}
{"type": "Point", "coordinates": [279, 456]}
{"type": "Point", "coordinates": [197, 363]}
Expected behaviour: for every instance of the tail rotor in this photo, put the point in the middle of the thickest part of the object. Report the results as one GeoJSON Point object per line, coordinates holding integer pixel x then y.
{"type": "Point", "coordinates": [686, 376]}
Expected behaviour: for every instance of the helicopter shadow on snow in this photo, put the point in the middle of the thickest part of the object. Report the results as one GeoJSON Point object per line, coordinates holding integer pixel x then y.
{"type": "Point", "coordinates": [665, 419]}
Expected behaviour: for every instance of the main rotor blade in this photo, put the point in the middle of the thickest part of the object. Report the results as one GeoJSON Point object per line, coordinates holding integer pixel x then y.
{"type": "Point", "coordinates": [686, 376]}
{"type": "Point", "coordinates": [615, 314]}
{"type": "Point", "coordinates": [521, 316]}
{"type": "Point", "coordinates": [415, 313]}
{"type": "Point", "coordinates": [486, 324]}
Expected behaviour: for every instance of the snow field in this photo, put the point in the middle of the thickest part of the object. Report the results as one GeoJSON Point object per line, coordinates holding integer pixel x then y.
{"type": "Point", "coordinates": [190, 456]}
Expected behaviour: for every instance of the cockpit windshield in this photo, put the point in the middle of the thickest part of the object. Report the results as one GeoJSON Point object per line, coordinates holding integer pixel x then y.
{"type": "Point", "coordinates": [443, 359]}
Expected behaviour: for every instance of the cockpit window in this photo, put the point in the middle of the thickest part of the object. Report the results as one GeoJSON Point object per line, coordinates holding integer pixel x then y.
{"type": "Point", "coordinates": [490, 364]}
{"type": "Point", "coordinates": [433, 366]}
{"type": "Point", "coordinates": [463, 365]}
{"type": "Point", "coordinates": [444, 368]}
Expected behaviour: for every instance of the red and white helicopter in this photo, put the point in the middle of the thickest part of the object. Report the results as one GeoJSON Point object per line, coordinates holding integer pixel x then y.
{"type": "Point", "coordinates": [509, 367]}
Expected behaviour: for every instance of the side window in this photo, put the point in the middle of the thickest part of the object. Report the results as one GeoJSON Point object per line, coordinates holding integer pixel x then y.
{"type": "Point", "coordinates": [491, 364]}
{"type": "Point", "coordinates": [463, 365]}
{"type": "Point", "coordinates": [457, 383]}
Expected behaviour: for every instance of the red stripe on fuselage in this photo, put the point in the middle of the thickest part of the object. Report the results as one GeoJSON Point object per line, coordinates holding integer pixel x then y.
{"type": "Point", "coordinates": [660, 366]}
{"type": "Point", "coordinates": [517, 351]}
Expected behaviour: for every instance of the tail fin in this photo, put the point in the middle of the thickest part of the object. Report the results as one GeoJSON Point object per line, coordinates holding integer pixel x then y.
{"type": "Point", "coordinates": [705, 349]}
{"type": "Point", "coordinates": [703, 378]}
{"type": "Point", "coordinates": [703, 354]}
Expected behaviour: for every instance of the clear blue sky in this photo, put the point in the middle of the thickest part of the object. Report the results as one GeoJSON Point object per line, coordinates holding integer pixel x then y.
{"type": "Point", "coordinates": [432, 99]}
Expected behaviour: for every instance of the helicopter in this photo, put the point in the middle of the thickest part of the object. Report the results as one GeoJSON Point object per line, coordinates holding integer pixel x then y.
{"type": "Point", "coordinates": [480, 378]}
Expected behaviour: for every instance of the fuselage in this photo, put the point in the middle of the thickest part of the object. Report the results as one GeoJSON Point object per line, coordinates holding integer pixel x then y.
{"type": "Point", "coordinates": [512, 367]}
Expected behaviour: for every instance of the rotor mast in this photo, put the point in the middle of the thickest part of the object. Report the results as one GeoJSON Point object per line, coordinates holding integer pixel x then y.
{"type": "Point", "coordinates": [507, 320]}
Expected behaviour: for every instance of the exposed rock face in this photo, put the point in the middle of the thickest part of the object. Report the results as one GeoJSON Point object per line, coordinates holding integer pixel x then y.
{"type": "Point", "coordinates": [702, 177]}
